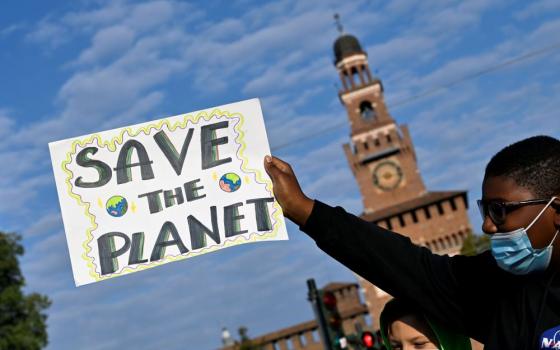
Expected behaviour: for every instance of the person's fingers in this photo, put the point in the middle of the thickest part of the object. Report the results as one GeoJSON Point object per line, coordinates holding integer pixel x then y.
{"type": "Point", "coordinates": [282, 165]}
{"type": "Point", "coordinates": [271, 168]}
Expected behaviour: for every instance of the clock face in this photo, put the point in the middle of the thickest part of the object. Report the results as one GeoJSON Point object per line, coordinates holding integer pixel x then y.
{"type": "Point", "coordinates": [387, 175]}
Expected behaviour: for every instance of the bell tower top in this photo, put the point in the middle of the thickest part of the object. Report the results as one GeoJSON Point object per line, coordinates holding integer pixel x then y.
{"type": "Point", "coordinates": [346, 44]}
{"type": "Point", "coordinates": [381, 154]}
{"type": "Point", "coordinates": [361, 93]}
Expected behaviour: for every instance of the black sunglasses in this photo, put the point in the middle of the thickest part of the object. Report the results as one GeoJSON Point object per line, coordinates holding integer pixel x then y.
{"type": "Point", "coordinates": [497, 211]}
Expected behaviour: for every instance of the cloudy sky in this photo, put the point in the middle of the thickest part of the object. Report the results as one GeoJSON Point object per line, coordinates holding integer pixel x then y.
{"type": "Point", "coordinates": [467, 77]}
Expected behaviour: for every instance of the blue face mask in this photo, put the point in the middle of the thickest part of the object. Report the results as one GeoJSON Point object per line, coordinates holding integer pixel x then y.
{"type": "Point", "coordinates": [513, 251]}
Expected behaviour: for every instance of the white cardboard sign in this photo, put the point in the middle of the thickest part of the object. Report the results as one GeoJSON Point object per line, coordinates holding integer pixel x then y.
{"type": "Point", "coordinates": [148, 194]}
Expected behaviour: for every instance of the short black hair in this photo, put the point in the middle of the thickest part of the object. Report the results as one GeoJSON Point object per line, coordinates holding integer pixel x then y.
{"type": "Point", "coordinates": [533, 163]}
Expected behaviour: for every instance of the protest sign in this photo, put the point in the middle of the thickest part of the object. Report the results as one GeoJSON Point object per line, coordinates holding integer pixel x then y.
{"type": "Point", "coordinates": [148, 194]}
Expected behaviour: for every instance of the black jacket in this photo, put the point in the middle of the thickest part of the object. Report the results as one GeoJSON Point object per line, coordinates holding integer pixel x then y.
{"type": "Point", "coordinates": [471, 295]}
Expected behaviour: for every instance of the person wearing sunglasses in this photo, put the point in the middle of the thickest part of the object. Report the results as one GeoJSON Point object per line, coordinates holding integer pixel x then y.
{"type": "Point", "coordinates": [506, 298]}
{"type": "Point", "coordinates": [514, 250]}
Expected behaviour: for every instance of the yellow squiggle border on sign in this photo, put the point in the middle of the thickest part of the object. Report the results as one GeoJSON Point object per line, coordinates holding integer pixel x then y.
{"type": "Point", "coordinates": [112, 145]}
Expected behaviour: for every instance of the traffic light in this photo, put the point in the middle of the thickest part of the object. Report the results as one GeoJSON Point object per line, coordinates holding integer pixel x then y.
{"type": "Point", "coordinates": [371, 341]}
{"type": "Point", "coordinates": [333, 320]}
{"type": "Point", "coordinates": [368, 340]}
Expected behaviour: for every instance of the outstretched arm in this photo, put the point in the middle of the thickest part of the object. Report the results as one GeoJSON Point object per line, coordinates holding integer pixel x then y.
{"type": "Point", "coordinates": [440, 285]}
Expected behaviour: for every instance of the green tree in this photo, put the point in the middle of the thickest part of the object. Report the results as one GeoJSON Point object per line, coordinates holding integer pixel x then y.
{"type": "Point", "coordinates": [22, 317]}
{"type": "Point", "coordinates": [246, 343]}
{"type": "Point", "coordinates": [475, 244]}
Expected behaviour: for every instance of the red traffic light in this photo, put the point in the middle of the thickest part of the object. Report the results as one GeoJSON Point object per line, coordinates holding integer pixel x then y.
{"type": "Point", "coordinates": [368, 340]}
{"type": "Point", "coordinates": [329, 300]}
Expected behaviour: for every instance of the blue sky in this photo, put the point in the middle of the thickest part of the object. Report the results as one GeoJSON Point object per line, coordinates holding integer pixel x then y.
{"type": "Point", "coordinates": [69, 68]}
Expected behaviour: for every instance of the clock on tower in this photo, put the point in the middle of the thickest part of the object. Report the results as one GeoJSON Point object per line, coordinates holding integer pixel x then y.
{"type": "Point", "coordinates": [387, 175]}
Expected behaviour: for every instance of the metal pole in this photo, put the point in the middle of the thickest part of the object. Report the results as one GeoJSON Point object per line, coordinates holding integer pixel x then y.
{"type": "Point", "coordinates": [313, 297]}
{"type": "Point", "coordinates": [359, 329]}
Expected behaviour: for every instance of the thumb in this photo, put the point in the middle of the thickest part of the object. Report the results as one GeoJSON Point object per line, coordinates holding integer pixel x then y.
{"type": "Point", "coordinates": [271, 168]}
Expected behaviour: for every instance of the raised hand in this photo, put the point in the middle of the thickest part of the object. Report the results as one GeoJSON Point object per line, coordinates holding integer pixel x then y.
{"type": "Point", "coordinates": [295, 204]}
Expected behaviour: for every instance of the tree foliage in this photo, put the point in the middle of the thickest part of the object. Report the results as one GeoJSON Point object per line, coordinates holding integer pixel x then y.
{"type": "Point", "coordinates": [22, 317]}
{"type": "Point", "coordinates": [475, 244]}
{"type": "Point", "coordinates": [246, 342]}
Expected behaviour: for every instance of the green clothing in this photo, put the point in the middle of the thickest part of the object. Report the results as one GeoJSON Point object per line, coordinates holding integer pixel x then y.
{"type": "Point", "coordinates": [447, 340]}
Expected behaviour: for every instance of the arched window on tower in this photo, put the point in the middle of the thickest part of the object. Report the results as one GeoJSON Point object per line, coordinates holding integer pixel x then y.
{"type": "Point", "coordinates": [367, 111]}
{"type": "Point", "coordinates": [355, 76]}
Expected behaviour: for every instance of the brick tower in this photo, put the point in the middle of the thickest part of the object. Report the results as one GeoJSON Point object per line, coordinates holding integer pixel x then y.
{"type": "Point", "coordinates": [382, 158]}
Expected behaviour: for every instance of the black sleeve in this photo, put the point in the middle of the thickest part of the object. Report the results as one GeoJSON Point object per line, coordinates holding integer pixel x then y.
{"type": "Point", "coordinates": [437, 284]}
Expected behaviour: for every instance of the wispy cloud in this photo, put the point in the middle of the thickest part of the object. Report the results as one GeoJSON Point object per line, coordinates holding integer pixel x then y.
{"type": "Point", "coordinates": [11, 29]}
{"type": "Point", "coordinates": [535, 8]}
{"type": "Point", "coordinates": [45, 225]}
{"type": "Point", "coordinates": [108, 42]}
{"type": "Point", "coordinates": [48, 33]}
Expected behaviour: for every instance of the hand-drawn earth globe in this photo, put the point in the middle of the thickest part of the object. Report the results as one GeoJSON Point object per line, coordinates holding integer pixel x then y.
{"type": "Point", "coordinates": [117, 206]}
{"type": "Point", "coordinates": [230, 182]}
